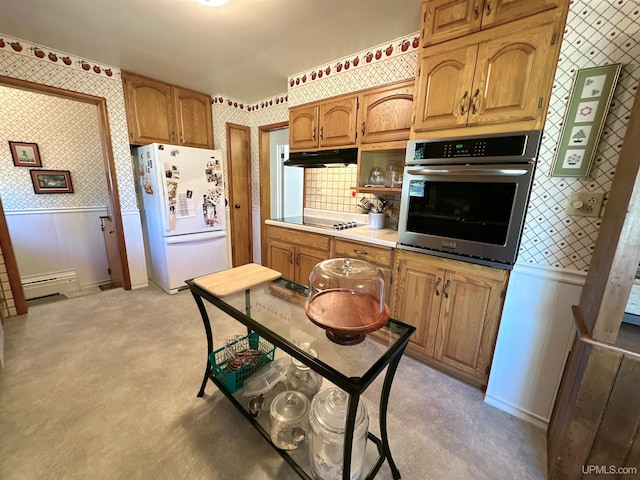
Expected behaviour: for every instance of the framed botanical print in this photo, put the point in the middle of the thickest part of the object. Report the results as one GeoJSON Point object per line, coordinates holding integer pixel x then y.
{"type": "Point", "coordinates": [25, 154]}
{"type": "Point", "coordinates": [584, 119]}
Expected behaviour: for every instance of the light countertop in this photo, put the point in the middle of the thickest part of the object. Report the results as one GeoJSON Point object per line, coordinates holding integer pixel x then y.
{"type": "Point", "coordinates": [384, 237]}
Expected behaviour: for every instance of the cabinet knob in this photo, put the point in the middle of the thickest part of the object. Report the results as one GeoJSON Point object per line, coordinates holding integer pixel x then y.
{"type": "Point", "coordinates": [322, 133]}
{"type": "Point", "coordinates": [360, 252]}
{"type": "Point", "coordinates": [438, 282]}
{"type": "Point", "coordinates": [488, 7]}
{"type": "Point", "coordinates": [237, 205]}
{"type": "Point", "coordinates": [363, 128]}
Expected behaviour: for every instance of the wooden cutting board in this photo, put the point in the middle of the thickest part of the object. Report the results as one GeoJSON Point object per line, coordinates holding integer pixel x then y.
{"type": "Point", "coordinates": [236, 279]}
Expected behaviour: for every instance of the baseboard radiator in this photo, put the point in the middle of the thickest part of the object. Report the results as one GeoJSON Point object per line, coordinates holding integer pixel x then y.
{"type": "Point", "coordinates": [52, 283]}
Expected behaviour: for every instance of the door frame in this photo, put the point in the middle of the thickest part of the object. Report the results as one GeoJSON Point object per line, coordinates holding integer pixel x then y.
{"type": "Point", "coordinates": [264, 168]}
{"type": "Point", "coordinates": [111, 176]}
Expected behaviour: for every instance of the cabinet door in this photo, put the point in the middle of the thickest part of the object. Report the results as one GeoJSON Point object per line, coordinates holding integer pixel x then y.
{"type": "Point", "coordinates": [469, 319]}
{"type": "Point", "coordinates": [303, 127]}
{"type": "Point", "coordinates": [386, 112]}
{"type": "Point", "coordinates": [280, 258]}
{"type": "Point", "coordinates": [149, 110]}
{"type": "Point", "coordinates": [417, 291]}
{"type": "Point", "coordinates": [509, 74]}
{"type": "Point", "coordinates": [444, 87]}
{"type": "Point", "coordinates": [447, 19]}
{"type": "Point", "coordinates": [338, 122]}
{"type": "Point", "coordinates": [306, 259]}
{"type": "Point", "coordinates": [497, 12]}
{"type": "Point", "coordinates": [193, 118]}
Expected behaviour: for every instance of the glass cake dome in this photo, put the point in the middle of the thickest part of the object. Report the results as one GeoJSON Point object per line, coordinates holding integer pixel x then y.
{"type": "Point", "coordinates": [346, 298]}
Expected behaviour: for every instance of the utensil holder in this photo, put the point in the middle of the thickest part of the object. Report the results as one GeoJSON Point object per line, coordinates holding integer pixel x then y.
{"type": "Point", "coordinates": [376, 221]}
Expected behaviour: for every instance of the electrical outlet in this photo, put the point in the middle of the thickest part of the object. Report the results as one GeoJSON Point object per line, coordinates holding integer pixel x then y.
{"type": "Point", "coordinates": [585, 204]}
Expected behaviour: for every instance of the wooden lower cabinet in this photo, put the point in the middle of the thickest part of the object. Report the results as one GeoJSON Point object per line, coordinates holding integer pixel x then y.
{"type": "Point", "coordinates": [294, 253]}
{"type": "Point", "coordinates": [455, 307]}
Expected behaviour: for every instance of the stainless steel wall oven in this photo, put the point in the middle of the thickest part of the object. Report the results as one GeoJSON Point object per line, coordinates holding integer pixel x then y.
{"type": "Point", "coordinates": [466, 197]}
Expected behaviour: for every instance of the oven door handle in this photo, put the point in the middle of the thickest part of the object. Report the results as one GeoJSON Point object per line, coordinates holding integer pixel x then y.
{"type": "Point", "coordinates": [502, 172]}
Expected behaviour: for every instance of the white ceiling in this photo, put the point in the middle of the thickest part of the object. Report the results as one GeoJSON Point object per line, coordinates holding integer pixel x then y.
{"type": "Point", "coordinates": [245, 49]}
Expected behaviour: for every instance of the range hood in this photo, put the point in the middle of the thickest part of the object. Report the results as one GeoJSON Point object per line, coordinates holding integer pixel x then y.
{"type": "Point", "coordinates": [323, 158]}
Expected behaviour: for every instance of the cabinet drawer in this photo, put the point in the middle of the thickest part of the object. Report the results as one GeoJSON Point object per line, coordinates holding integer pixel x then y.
{"type": "Point", "coordinates": [363, 251]}
{"type": "Point", "coordinates": [298, 237]}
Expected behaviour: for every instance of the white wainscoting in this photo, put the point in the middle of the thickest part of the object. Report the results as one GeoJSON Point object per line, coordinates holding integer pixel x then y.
{"type": "Point", "coordinates": [50, 241]}
{"type": "Point", "coordinates": [134, 243]}
{"type": "Point", "coordinates": [534, 339]}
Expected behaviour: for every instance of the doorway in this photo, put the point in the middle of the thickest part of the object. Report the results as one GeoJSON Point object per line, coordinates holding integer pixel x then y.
{"type": "Point", "coordinates": [287, 183]}
{"type": "Point", "coordinates": [239, 164]}
{"type": "Point", "coordinates": [264, 140]}
{"type": "Point", "coordinates": [106, 152]}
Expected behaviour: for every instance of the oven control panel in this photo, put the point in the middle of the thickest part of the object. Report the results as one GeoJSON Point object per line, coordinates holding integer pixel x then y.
{"type": "Point", "coordinates": [516, 146]}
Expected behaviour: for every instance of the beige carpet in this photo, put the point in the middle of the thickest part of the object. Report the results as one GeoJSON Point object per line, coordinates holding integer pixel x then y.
{"type": "Point", "coordinates": [104, 387]}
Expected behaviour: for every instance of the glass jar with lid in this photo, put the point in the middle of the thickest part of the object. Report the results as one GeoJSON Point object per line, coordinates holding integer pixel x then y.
{"type": "Point", "coordinates": [346, 298]}
{"type": "Point", "coordinates": [327, 420]}
{"type": "Point", "coordinates": [376, 177]}
{"type": "Point", "coordinates": [289, 414]}
{"type": "Point", "coordinates": [301, 378]}
{"type": "Point", "coordinates": [393, 176]}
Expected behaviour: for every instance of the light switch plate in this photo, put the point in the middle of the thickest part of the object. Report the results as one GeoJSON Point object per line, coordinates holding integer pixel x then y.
{"type": "Point", "coordinates": [585, 204]}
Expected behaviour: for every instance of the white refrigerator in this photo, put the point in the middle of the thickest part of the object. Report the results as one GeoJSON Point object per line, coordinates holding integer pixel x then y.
{"type": "Point", "coordinates": [182, 190]}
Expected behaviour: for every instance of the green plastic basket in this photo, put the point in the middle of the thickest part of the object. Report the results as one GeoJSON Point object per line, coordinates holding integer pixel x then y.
{"type": "Point", "coordinates": [233, 379]}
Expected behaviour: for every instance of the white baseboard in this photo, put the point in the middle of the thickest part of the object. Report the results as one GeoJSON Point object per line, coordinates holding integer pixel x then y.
{"type": "Point", "coordinates": [518, 412]}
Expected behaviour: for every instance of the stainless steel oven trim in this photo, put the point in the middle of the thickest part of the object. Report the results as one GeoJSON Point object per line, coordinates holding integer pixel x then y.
{"type": "Point", "coordinates": [530, 151]}
{"type": "Point", "coordinates": [493, 255]}
{"type": "Point", "coordinates": [459, 171]}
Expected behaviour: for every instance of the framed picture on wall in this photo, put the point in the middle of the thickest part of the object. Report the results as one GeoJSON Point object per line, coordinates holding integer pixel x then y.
{"type": "Point", "coordinates": [25, 154]}
{"type": "Point", "coordinates": [584, 120]}
{"type": "Point", "coordinates": [51, 181]}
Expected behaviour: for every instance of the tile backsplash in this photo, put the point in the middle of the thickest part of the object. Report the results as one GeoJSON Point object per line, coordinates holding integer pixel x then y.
{"type": "Point", "coordinates": [335, 189]}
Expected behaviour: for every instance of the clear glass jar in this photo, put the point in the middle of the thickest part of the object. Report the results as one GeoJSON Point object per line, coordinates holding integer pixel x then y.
{"type": "Point", "coordinates": [300, 378]}
{"type": "Point", "coordinates": [376, 177]}
{"type": "Point", "coordinates": [289, 414]}
{"type": "Point", "coordinates": [393, 176]}
{"type": "Point", "coordinates": [327, 419]}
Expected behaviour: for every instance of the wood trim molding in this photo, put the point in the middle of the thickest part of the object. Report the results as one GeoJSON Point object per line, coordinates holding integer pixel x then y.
{"type": "Point", "coordinates": [11, 264]}
{"type": "Point", "coordinates": [583, 335]}
{"type": "Point", "coordinates": [264, 165]}
{"type": "Point", "coordinates": [109, 162]}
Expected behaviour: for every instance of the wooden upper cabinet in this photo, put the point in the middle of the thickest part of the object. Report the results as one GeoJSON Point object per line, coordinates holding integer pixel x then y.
{"type": "Point", "coordinates": [161, 113]}
{"type": "Point", "coordinates": [497, 12]}
{"type": "Point", "coordinates": [150, 113]}
{"type": "Point", "coordinates": [385, 113]}
{"type": "Point", "coordinates": [193, 118]}
{"type": "Point", "coordinates": [444, 87]}
{"type": "Point", "coordinates": [330, 123]}
{"type": "Point", "coordinates": [509, 74]}
{"type": "Point", "coordinates": [444, 20]}
{"type": "Point", "coordinates": [497, 77]}
{"type": "Point", "coordinates": [337, 120]}
{"type": "Point", "coordinates": [303, 127]}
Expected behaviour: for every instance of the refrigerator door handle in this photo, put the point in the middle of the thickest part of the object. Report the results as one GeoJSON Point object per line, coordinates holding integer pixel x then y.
{"type": "Point", "coordinates": [195, 237]}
